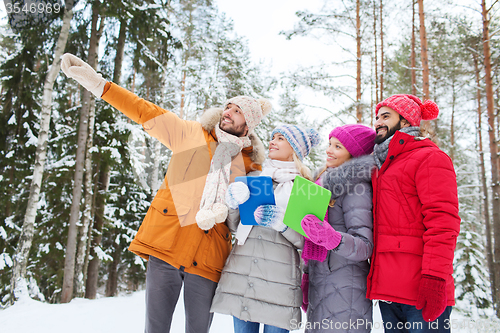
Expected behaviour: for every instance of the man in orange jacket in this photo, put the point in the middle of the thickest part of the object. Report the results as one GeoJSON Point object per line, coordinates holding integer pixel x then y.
{"type": "Point", "coordinates": [416, 221]}
{"type": "Point", "coordinates": [184, 236]}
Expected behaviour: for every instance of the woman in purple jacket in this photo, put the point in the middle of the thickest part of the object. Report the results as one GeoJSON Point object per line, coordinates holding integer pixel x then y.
{"type": "Point", "coordinates": [337, 249]}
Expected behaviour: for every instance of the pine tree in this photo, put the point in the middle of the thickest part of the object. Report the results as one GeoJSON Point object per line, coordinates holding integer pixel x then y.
{"type": "Point", "coordinates": [23, 72]}
{"type": "Point", "coordinates": [26, 239]}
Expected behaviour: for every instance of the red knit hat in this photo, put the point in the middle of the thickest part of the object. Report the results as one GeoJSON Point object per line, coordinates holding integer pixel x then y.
{"type": "Point", "coordinates": [411, 108]}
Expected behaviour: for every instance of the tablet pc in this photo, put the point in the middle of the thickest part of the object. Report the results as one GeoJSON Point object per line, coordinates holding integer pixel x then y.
{"type": "Point", "coordinates": [306, 198]}
{"type": "Point", "coordinates": [261, 193]}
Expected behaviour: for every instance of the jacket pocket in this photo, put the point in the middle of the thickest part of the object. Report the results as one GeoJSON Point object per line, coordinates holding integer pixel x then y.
{"type": "Point", "coordinates": [405, 205]}
{"type": "Point", "coordinates": [336, 262]}
{"type": "Point", "coordinates": [162, 222]}
{"type": "Point", "coordinates": [219, 247]}
{"type": "Point", "coordinates": [403, 244]}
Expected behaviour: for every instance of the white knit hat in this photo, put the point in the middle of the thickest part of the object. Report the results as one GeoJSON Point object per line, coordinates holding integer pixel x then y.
{"type": "Point", "coordinates": [253, 109]}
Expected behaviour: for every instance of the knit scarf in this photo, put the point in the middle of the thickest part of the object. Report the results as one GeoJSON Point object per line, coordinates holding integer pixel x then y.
{"type": "Point", "coordinates": [220, 167]}
{"type": "Point", "coordinates": [381, 150]}
{"type": "Point", "coordinates": [282, 173]}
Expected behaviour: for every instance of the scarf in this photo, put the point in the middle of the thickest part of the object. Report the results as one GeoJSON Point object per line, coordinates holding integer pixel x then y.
{"type": "Point", "coordinates": [218, 177]}
{"type": "Point", "coordinates": [381, 150]}
{"type": "Point", "coordinates": [282, 173]}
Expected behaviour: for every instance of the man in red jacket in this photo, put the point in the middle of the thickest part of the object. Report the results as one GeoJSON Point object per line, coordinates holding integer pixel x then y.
{"type": "Point", "coordinates": [416, 222]}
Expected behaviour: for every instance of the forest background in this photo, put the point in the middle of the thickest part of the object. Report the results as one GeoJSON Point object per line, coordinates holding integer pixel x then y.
{"type": "Point", "coordinates": [77, 177]}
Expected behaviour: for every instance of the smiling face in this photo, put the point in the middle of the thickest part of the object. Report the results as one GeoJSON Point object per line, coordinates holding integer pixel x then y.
{"type": "Point", "coordinates": [280, 149]}
{"type": "Point", "coordinates": [336, 153]}
{"type": "Point", "coordinates": [388, 122]}
{"type": "Point", "coordinates": [233, 121]}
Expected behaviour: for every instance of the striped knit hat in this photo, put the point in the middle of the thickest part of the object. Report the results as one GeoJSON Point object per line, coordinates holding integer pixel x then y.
{"type": "Point", "coordinates": [302, 140]}
{"type": "Point", "coordinates": [411, 108]}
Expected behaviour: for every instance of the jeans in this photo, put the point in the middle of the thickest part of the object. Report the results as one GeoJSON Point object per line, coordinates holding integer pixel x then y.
{"type": "Point", "coordinates": [402, 318]}
{"type": "Point", "coordinates": [241, 326]}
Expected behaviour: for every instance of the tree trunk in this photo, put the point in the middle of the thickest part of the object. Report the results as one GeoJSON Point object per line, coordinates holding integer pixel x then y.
{"type": "Point", "coordinates": [375, 48]}
{"type": "Point", "coordinates": [452, 123]}
{"type": "Point", "coordinates": [495, 185]}
{"type": "Point", "coordinates": [359, 113]}
{"type": "Point", "coordinates": [381, 51]}
{"type": "Point", "coordinates": [112, 282]}
{"type": "Point", "coordinates": [486, 205]}
{"type": "Point", "coordinates": [20, 258]}
{"type": "Point", "coordinates": [413, 64]}
{"type": "Point", "coordinates": [93, 269]}
{"type": "Point", "coordinates": [87, 210]}
{"type": "Point", "coordinates": [89, 196]}
{"type": "Point", "coordinates": [69, 262]}
{"type": "Point", "coordinates": [120, 50]}
{"type": "Point", "coordinates": [423, 51]}
{"type": "Point", "coordinates": [425, 124]}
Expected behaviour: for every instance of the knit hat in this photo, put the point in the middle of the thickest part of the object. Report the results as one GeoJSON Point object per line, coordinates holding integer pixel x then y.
{"type": "Point", "coordinates": [411, 108]}
{"type": "Point", "coordinates": [357, 139]}
{"type": "Point", "coordinates": [302, 140]}
{"type": "Point", "coordinates": [253, 109]}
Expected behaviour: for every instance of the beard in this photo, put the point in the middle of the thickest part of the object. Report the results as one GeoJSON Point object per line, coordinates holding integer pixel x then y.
{"type": "Point", "coordinates": [388, 133]}
{"type": "Point", "coordinates": [238, 131]}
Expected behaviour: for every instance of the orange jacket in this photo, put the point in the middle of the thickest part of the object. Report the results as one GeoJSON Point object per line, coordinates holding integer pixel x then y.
{"type": "Point", "coordinates": [169, 230]}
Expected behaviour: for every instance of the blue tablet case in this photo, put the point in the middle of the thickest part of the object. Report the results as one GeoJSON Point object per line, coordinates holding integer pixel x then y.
{"type": "Point", "coordinates": [306, 198]}
{"type": "Point", "coordinates": [261, 193]}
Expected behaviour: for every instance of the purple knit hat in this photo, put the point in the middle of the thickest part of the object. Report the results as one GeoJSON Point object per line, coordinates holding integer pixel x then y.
{"type": "Point", "coordinates": [357, 139]}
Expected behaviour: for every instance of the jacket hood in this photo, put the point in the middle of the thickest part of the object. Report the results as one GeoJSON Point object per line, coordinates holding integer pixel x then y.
{"type": "Point", "coordinates": [340, 180]}
{"type": "Point", "coordinates": [211, 117]}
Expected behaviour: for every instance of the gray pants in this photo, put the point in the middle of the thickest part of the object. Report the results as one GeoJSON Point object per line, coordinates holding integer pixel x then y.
{"type": "Point", "coordinates": [163, 286]}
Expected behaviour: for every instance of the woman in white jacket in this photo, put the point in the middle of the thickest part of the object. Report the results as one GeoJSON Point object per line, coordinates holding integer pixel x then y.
{"type": "Point", "coordinates": [260, 283]}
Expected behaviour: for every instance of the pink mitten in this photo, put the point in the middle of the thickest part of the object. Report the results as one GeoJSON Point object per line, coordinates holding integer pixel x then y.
{"type": "Point", "coordinates": [321, 233]}
{"type": "Point", "coordinates": [312, 251]}
{"type": "Point", "coordinates": [304, 285]}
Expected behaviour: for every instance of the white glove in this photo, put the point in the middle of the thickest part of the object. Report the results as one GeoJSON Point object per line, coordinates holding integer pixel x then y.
{"type": "Point", "coordinates": [84, 74]}
{"type": "Point", "coordinates": [236, 194]}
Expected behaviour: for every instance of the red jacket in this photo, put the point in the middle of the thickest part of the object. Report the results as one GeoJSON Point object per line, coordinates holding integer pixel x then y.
{"type": "Point", "coordinates": [416, 222]}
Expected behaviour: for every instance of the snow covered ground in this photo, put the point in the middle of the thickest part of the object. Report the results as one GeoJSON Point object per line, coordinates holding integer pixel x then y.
{"type": "Point", "coordinates": [125, 314]}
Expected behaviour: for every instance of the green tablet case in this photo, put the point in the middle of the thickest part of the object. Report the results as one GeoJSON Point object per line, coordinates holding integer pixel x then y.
{"type": "Point", "coordinates": [306, 198]}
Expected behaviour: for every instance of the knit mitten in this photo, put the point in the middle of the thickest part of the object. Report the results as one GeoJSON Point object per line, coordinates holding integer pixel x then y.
{"type": "Point", "coordinates": [207, 218]}
{"type": "Point", "coordinates": [304, 285]}
{"type": "Point", "coordinates": [270, 216]}
{"type": "Point", "coordinates": [236, 194]}
{"type": "Point", "coordinates": [312, 251]}
{"type": "Point", "coordinates": [321, 233]}
{"type": "Point", "coordinates": [84, 74]}
{"type": "Point", "coordinates": [431, 297]}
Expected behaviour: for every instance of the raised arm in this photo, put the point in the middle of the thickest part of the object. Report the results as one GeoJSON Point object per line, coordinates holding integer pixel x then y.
{"type": "Point", "coordinates": [166, 126]}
